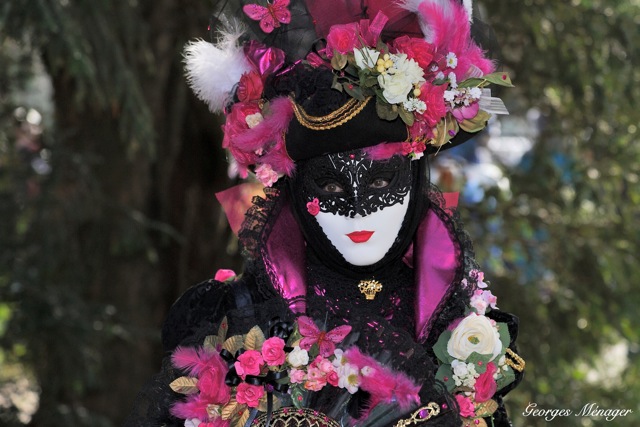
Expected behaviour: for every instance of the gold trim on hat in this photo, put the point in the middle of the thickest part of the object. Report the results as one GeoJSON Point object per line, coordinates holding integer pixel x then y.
{"type": "Point", "coordinates": [332, 120]}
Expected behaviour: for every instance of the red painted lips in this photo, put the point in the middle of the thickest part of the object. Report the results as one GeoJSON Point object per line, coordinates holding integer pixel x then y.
{"type": "Point", "coordinates": [360, 236]}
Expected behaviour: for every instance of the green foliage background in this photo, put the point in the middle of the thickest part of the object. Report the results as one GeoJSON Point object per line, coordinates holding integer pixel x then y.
{"type": "Point", "coordinates": [95, 248]}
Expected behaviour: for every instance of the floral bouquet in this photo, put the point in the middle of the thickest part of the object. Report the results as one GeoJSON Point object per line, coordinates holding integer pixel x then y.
{"type": "Point", "coordinates": [474, 357]}
{"type": "Point", "coordinates": [231, 381]}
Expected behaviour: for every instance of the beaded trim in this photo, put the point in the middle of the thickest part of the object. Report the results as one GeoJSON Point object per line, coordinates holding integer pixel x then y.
{"type": "Point", "coordinates": [332, 120]}
{"type": "Point", "coordinates": [292, 417]}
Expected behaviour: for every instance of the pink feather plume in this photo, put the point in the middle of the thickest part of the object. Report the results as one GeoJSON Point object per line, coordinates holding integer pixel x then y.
{"type": "Point", "coordinates": [195, 361]}
{"type": "Point", "coordinates": [384, 151]}
{"type": "Point", "coordinates": [383, 384]}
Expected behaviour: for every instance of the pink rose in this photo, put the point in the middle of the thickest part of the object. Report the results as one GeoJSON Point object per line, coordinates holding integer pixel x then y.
{"type": "Point", "coordinates": [325, 365]}
{"type": "Point", "coordinates": [313, 207]}
{"type": "Point", "coordinates": [223, 275]}
{"type": "Point", "coordinates": [315, 379]}
{"type": "Point", "coordinates": [485, 384]}
{"type": "Point", "coordinates": [333, 378]}
{"type": "Point", "coordinates": [297, 376]}
{"type": "Point", "coordinates": [249, 394]}
{"type": "Point", "coordinates": [466, 407]}
{"type": "Point", "coordinates": [250, 87]}
{"type": "Point", "coordinates": [463, 113]}
{"type": "Point", "coordinates": [417, 49]}
{"type": "Point", "coordinates": [343, 38]}
{"type": "Point", "coordinates": [211, 382]}
{"type": "Point", "coordinates": [433, 96]}
{"type": "Point", "coordinates": [249, 363]}
{"type": "Point", "coordinates": [273, 351]}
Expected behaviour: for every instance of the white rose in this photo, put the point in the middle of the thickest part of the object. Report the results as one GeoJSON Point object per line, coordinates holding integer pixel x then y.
{"type": "Point", "coordinates": [474, 333]}
{"type": "Point", "coordinates": [399, 79]}
{"type": "Point", "coordinates": [298, 357]}
{"type": "Point", "coordinates": [365, 57]}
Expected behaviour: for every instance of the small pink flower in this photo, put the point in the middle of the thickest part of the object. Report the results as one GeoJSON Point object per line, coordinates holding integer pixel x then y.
{"type": "Point", "coordinates": [466, 407]}
{"type": "Point", "coordinates": [313, 207]}
{"type": "Point", "coordinates": [249, 363]}
{"type": "Point", "coordinates": [466, 112]}
{"type": "Point", "coordinates": [266, 175]}
{"type": "Point", "coordinates": [316, 379]}
{"type": "Point", "coordinates": [485, 384]}
{"type": "Point", "coordinates": [223, 275]}
{"type": "Point", "coordinates": [273, 351]}
{"type": "Point", "coordinates": [297, 376]}
{"type": "Point", "coordinates": [333, 378]}
{"type": "Point", "coordinates": [325, 365]}
{"type": "Point", "coordinates": [249, 394]}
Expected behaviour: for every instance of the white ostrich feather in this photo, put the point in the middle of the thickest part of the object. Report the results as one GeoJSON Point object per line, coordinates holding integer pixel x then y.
{"type": "Point", "coordinates": [468, 5]}
{"type": "Point", "coordinates": [214, 69]}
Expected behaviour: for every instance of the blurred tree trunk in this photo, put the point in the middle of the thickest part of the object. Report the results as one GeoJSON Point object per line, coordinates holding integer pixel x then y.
{"type": "Point", "coordinates": [139, 214]}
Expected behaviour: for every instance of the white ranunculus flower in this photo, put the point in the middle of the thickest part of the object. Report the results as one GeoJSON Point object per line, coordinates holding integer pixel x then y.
{"type": "Point", "coordinates": [298, 357]}
{"type": "Point", "coordinates": [365, 57]}
{"type": "Point", "coordinates": [398, 81]}
{"type": "Point", "coordinates": [474, 333]}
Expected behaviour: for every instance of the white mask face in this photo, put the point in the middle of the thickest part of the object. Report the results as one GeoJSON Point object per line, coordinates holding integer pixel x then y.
{"type": "Point", "coordinates": [364, 240]}
{"type": "Point", "coordinates": [361, 204]}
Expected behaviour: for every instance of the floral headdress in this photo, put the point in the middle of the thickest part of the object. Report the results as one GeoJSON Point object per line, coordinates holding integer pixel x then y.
{"type": "Point", "coordinates": [412, 77]}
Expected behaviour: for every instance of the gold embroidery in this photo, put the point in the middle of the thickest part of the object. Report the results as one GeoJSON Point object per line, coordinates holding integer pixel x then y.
{"type": "Point", "coordinates": [517, 363]}
{"type": "Point", "coordinates": [370, 288]}
{"type": "Point", "coordinates": [422, 414]}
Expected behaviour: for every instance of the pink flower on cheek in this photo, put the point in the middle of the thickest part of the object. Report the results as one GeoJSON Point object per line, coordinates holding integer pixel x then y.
{"type": "Point", "coordinates": [485, 384]}
{"type": "Point", "coordinates": [249, 363]}
{"type": "Point", "coordinates": [273, 351]}
{"type": "Point", "coordinates": [313, 207]}
{"type": "Point", "coordinates": [466, 407]}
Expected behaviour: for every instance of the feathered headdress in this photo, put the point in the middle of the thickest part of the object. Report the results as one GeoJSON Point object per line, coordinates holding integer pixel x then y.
{"type": "Point", "coordinates": [301, 78]}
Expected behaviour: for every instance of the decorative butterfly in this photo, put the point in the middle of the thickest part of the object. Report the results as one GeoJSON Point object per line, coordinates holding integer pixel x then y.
{"type": "Point", "coordinates": [326, 340]}
{"type": "Point", "coordinates": [271, 16]}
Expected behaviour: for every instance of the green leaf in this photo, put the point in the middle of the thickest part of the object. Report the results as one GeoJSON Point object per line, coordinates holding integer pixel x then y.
{"type": "Point", "coordinates": [336, 84]}
{"type": "Point", "coordinates": [353, 91]}
{"type": "Point", "coordinates": [477, 123]}
{"type": "Point", "coordinates": [479, 361]}
{"type": "Point", "coordinates": [500, 79]}
{"type": "Point", "coordinates": [339, 61]}
{"type": "Point", "coordinates": [386, 111]}
{"type": "Point", "coordinates": [444, 371]}
{"type": "Point", "coordinates": [503, 332]}
{"type": "Point", "coordinates": [440, 348]}
{"type": "Point", "coordinates": [407, 116]}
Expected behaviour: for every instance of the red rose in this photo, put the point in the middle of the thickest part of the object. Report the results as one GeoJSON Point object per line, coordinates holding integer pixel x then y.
{"type": "Point", "coordinates": [250, 87]}
{"type": "Point", "coordinates": [249, 394]}
{"type": "Point", "coordinates": [212, 386]}
{"type": "Point", "coordinates": [417, 49]}
{"type": "Point", "coordinates": [249, 363]}
{"type": "Point", "coordinates": [343, 38]}
{"type": "Point", "coordinates": [466, 407]}
{"type": "Point", "coordinates": [433, 96]}
{"type": "Point", "coordinates": [273, 351]}
{"type": "Point", "coordinates": [485, 384]}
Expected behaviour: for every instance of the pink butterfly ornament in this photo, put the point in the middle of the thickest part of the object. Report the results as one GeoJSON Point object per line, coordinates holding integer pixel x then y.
{"type": "Point", "coordinates": [326, 340]}
{"type": "Point", "coordinates": [271, 15]}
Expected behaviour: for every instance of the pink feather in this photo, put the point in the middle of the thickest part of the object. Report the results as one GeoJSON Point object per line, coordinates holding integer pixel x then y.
{"type": "Point", "coordinates": [194, 407]}
{"type": "Point", "coordinates": [196, 361]}
{"type": "Point", "coordinates": [384, 385]}
{"type": "Point", "coordinates": [384, 151]}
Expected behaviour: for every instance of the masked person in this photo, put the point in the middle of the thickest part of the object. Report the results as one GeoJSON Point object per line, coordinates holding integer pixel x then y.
{"type": "Point", "coordinates": [360, 303]}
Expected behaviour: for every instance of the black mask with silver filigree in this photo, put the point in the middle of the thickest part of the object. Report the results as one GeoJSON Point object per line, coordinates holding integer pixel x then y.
{"type": "Point", "coordinates": [351, 185]}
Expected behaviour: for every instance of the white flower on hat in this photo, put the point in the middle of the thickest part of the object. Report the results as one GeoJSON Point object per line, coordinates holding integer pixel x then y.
{"type": "Point", "coordinates": [400, 79]}
{"type": "Point", "coordinates": [452, 60]}
{"type": "Point", "coordinates": [474, 333]}
{"type": "Point", "coordinates": [366, 57]}
{"type": "Point", "coordinates": [298, 357]}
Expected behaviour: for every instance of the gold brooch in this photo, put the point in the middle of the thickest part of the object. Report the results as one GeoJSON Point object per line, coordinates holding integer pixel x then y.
{"type": "Point", "coordinates": [422, 414]}
{"type": "Point", "coordinates": [370, 288]}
